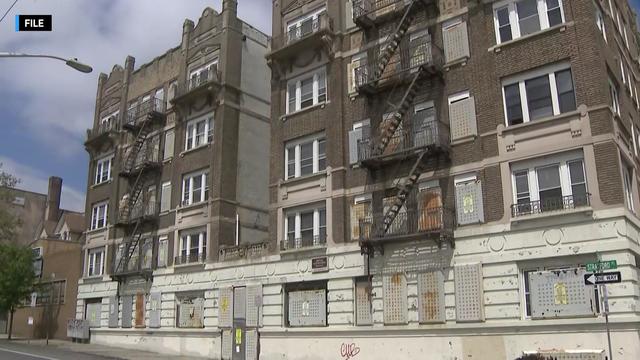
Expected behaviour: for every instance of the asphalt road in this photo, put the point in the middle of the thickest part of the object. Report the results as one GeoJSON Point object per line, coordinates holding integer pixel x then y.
{"type": "Point", "coordinates": [23, 351]}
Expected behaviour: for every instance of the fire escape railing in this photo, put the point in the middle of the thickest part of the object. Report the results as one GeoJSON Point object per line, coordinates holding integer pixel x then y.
{"type": "Point", "coordinates": [410, 221]}
{"type": "Point", "coordinates": [138, 113]}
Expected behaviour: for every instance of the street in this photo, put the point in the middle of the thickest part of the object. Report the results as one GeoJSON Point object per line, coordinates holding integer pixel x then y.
{"type": "Point", "coordinates": [21, 350]}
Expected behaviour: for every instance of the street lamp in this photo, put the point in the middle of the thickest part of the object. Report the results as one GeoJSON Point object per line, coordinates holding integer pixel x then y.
{"type": "Point", "coordinates": [74, 63]}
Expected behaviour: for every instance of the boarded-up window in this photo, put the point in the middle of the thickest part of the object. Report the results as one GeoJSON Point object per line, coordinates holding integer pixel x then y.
{"type": "Point", "coordinates": [430, 208]}
{"type": "Point", "coordinates": [364, 314]}
{"type": "Point", "coordinates": [560, 293]}
{"type": "Point", "coordinates": [169, 140]}
{"type": "Point", "coordinates": [225, 307]}
{"type": "Point", "coordinates": [140, 307]}
{"type": "Point", "coordinates": [254, 305]}
{"type": "Point", "coordinates": [469, 293]}
{"type": "Point", "coordinates": [93, 311]}
{"type": "Point", "coordinates": [469, 204]}
{"type": "Point", "coordinates": [191, 311]}
{"type": "Point", "coordinates": [431, 297]}
{"type": "Point", "coordinates": [307, 307]}
{"type": "Point", "coordinates": [113, 311]}
{"type": "Point", "coordinates": [394, 293]}
{"type": "Point", "coordinates": [462, 116]}
{"type": "Point", "coordinates": [127, 309]}
{"type": "Point", "coordinates": [361, 217]}
{"type": "Point", "coordinates": [456, 40]}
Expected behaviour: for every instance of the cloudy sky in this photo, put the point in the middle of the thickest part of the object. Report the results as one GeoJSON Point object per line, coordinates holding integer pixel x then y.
{"type": "Point", "coordinates": [46, 107]}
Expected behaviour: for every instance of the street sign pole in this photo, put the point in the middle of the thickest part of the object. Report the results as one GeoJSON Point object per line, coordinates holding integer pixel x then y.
{"type": "Point", "coordinates": [605, 298]}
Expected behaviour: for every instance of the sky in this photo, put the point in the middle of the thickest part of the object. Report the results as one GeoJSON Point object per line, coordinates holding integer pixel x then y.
{"type": "Point", "coordinates": [46, 107]}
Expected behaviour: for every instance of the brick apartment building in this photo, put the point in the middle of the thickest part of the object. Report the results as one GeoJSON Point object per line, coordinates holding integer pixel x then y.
{"type": "Point", "coordinates": [441, 172]}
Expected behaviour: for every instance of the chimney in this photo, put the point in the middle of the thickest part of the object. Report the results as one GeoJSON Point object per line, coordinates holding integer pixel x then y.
{"type": "Point", "coordinates": [52, 212]}
{"type": "Point", "coordinates": [229, 12]}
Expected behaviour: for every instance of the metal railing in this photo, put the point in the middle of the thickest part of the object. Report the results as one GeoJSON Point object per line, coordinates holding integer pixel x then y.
{"type": "Point", "coordinates": [560, 203]}
{"type": "Point", "coordinates": [303, 242]}
{"type": "Point", "coordinates": [420, 131]}
{"type": "Point", "coordinates": [190, 259]}
{"type": "Point", "coordinates": [408, 222]}
{"type": "Point", "coordinates": [149, 154]}
{"type": "Point", "coordinates": [138, 113]}
{"type": "Point", "coordinates": [104, 127]}
{"type": "Point", "coordinates": [228, 253]}
{"type": "Point", "coordinates": [420, 51]}
{"type": "Point", "coordinates": [375, 8]}
{"type": "Point", "coordinates": [308, 27]}
{"type": "Point", "coordinates": [203, 77]}
{"type": "Point", "coordinates": [143, 208]}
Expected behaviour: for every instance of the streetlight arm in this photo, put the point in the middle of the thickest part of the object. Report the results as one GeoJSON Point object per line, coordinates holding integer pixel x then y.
{"type": "Point", "coordinates": [74, 63]}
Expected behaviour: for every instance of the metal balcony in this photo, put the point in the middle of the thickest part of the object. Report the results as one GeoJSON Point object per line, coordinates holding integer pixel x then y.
{"type": "Point", "coordinates": [183, 259]}
{"type": "Point", "coordinates": [206, 82]}
{"type": "Point", "coordinates": [368, 13]}
{"type": "Point", "coordinates": [310, 241]}
{"type": "Point", "coordinates": [310, 35]}
{"type": "Point", "coordinates": [422, 132]}
{"type": "Point", "coordinates": [135, 264]}
{"type": "Point", "coordinates": [418, 54]}
{"type": "Point", "coordinates": [419, 222]}
{"type": "Point", "coordinates": [554, 204]}
{"type": "Point", "coordinates": [97, 136]}
{"type": "Point", "coordinates": [143, 210]}
{"type": "Point", "coordinates": [148, 110]}
{"type": "Point", "coordinates": [148, 157]}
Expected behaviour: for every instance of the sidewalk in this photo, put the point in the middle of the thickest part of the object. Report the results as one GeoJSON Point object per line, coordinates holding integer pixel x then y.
{"type": "Point", "coordinates": [99, 350]}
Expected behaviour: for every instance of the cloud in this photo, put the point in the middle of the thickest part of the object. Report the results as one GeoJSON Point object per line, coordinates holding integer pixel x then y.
{"type": "Point", "coordinates": [58, 102]}
{"type": "Point", "coordinates": [33, 180]}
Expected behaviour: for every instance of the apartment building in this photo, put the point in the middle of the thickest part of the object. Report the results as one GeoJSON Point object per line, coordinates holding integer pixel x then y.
{"type": "Point", "coordinates": [440, 174]}
{"type": "Point", "coordinates": [177, 182]}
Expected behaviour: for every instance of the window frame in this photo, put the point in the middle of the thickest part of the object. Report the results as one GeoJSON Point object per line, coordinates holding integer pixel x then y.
{"type": "Point", "coordinates": [188, 235]}
{"type": "Point", "coordinates": [521, 79]}
{"type": "Point", "coordinates": [542, 13]}
{"type": "Point", "coordinates": [100, 169]}
{"type": "Point", "coordinates": [296, 212]}
{"type": "Point", "coordinates": [297, 22]}
{"type": "Point", "coordinates": [204, 187]}
{"type": "Point", "coordinates": [296, 145]}
{"type": "Point", "coordinates": [92, 255]}
{"type": "Point", "coordinates": [315, 76]}
{"type": "Point", "coordinates": [95, 215]}
{"type": "Point", "coordinates": [600, 23]}
{"type": "Point", "coordinates": [198, 70]}
{"type": "Point", "coordinates": [627, 184]}
{"type": "Point", "coordinates": [191, 132]}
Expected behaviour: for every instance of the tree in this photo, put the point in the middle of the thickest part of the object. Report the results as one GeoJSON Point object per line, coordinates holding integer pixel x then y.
{"type": "Point", "coordinates": [16, 277]}
{"type": "Point", "coordinates": [8, 222]}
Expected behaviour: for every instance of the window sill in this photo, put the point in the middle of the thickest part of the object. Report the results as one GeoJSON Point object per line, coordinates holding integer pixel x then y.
{"type": "Point", "coordinates": [586, 210]}
{"type": "Point", "coordinates": [102, 183]}
{"type": "Point", "coordinates": [560, 28]}
{"type": "Point", "coordinates": [321, 105]}
{"type": "Point", "coordinates": [505, 129]}
{"type": "Point", "coordinates": [462, 62]}
{"type": "Point", "coordinates": [185, 152]}
{"type": "Point", "coordinates": [98, 230]}
{"type": "Point", "coordinates": [318, 175]}
{"type": "Point", "coordinates": [192, 206]}
{"type": "Point", "coordinates": [191, 264]}
{"type": "Point", "coordinates": [304, 249]}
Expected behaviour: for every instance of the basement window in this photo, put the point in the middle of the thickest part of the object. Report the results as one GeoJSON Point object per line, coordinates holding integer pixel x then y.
{"type": "Point", "coordinates": [306, 304]}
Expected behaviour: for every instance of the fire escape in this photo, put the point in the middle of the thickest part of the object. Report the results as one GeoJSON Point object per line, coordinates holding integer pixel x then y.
{"type": "Point", "coordinates": [408, 140]}
{"type": "Point", "coordinates": [138, 208]}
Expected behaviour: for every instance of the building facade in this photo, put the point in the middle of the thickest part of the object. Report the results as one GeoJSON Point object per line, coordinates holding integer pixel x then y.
{"type": "Point", "coordinates": [441, 174]}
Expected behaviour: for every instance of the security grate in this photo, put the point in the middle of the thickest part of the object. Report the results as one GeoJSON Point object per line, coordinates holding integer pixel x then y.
{"type": "Point", "coordinates": [469, 203]}
{"type": "Point", "coordinates": [431, 297]}
{"type": "Point", "coordinates": [227, 345]}
{"type": "Point", "coordinates": [468, 290]}
{"type": "Point", "coordinates": [560, 293]}
{"type": "Point", "coordinates": [462, 115]}
{"type": "Point", "coordinates": [225, 307]}
{"type": "Point", "coordinates": [308, 308]}
{"type": "Point", "coordinates": [456, 42]}
{"type": "Point", "coordinates": [93, 313]}
{"type": "Point", "coordinates": [251, 345]}
{"type": "Point", "coordinates": [127, 310]}
{"type": "Point", "coordinates": [155, 301]}
{"type": "Point", "coordinates": [239, 303]}
{"type": "Point", "coordinates": [394, 289]}
{"type": "Point", "coordinates": [363, 302]}
{"type": "Point", "coordinates": [254, 305]}
{"type": "Point", "coordinates": [113, 311]}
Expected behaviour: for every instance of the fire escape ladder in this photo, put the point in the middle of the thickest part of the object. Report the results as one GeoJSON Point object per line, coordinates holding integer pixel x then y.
{"type": "Point", "coordinates": [404, 190]}
{"type": "Point", "coordinates": [388, 126]}
{"type": "Point", "coordinates": [131, 246]}
{"type": "Point", "coordinates": [137, 146]}
{"type": "Point", "coordinates": [396, 38]}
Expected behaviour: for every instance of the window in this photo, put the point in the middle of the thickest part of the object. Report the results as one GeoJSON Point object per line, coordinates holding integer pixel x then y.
{"type": "Point", "coordinates": [305, 227]}
{"type": "Point", "coordinates": [361, 217]}
{"type": "Point", "coordinates": [51, 292]}
{"type": "Point", "coordinates": [306, 91]}
{"type": "Point", "coordinates": [627, 180]}
{"type": "Point", "coordinates": [203, 74]}
{"type": "Point", "coordinates": [193, 246]}
{"type": "Point", "coordinates": [305, 157]}
{"type": "Point", "coordinates": [553, 183]}
{"type": "Point", "coordinates": [103, 170]}
{"type": "Point", "coordinates": [199, 132]}
{"type": "Point", "coordinates": [543, 93]}
{"type": "Point", "coordinates": [190, 312]}
{"type": "Point", "coordinates": [600, 23]}
{"type": "Point", "coordinates": [306, 304]}
{"type": "Point", "coordinates": [195, 188]}
{"type": "Point", "coordinates": [99, 216]}
{"type": "Point", "coordinates": [95, 263]}
{"type": "Point", "coordinates": [304, 25]}
{"type": "Point", "coordinates": [109, 121]}
{"type": "Point", "coordinates": [615, 99]}
{"type": "Point", "coordinates": [165, 197]}
{"type": "Point", "coordinates": [357, 71]}
{"type": "Point", "coordinates": [624, 76]}
{"type": "Point", "coordinates": [516, 18]}
{"type": "Point", "coordinates": [163, 250]}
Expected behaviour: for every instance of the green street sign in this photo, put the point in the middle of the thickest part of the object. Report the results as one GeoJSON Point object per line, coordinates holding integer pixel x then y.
{"type": "Point", "coordinates": [602, 265]}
